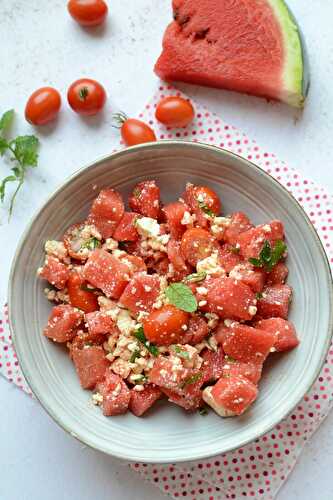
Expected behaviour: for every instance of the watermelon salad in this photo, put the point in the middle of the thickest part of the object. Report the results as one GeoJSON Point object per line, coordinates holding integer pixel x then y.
{"type": "Point", "coordinates": [171, 301]}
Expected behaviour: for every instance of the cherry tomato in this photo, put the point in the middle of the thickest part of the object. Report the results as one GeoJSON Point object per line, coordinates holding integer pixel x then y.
{"type": "Point", "coordinates": [134, 131]}
{"type": "Point", "coordinates": [203, 201]}
{"type": "Point", "coordinates": [165, 326]}
{"type": "Point", "coordinates": [42, 106]}
{"type": "Point", "coordinates": [86, 96]}
{"type": "Point", "coordinates": [84, 300]}
{"type": "Point", "coordinates": [197, 244]}
{"type": "Point", "coordinates": [88, 12]}
{"type": "Point", "coordinates": [174, 111]}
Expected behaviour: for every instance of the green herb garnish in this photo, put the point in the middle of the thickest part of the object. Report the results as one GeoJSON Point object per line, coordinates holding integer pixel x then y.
{"type": "Point", "coordinates": [136, 192]}
{"type": "Point", "coordinates": [91, 244]}
{"type": "Point", "coordinates": [181, 353]}
{"type": "Point", "coordinates": [205, 209]}
{"type": "Point", "coordinates": [181, 296]}
{"type": "Point", "coordinates": [22, 151]}
{"type": "Point", "coordinates": [203, 410]}
{"type": "Point", "coordinates": [140, 335]}
{"type": "Point", "coordinates": [192, 379]}
{"type": "Point", "coordinates": [135, 354]}
{"type": "Point", "coordinates": [195, 277]}
{"type": "Point", "coordinates": [259, 295]}
{"type": "Point", "coordinates": [269, 256]}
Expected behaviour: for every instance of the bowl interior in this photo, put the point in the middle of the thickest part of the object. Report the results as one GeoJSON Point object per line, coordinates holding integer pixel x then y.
{"type": "Point", "coordinates": [168, 434]}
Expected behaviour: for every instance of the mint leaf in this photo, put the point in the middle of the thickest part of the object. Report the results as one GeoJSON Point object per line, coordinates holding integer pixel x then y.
{"type": "Point", "coordinates": [206, 209]}
{"type": "Point", "coordinates": [91, 244]}
{"type": "Point", "coordinates": [203, 411]}
{"type": "Point", "coordinates": [192, 379]}
{"type": "Point", "coordinates": [181, 353]}
{"type": "Point", "coordinates": [181, 296]}
{"type": "Point", "coordinates": [140, 335]}
{"type": "Point", "coordinates": [134, 355]}
{"type": "Point", "coordinates": [195, 277]}
{"type": "Point", "coordinates": [258, 295]}
{"type": "Point", "coordinates": [277, 253]}
{"type": "Point", "coordinates": [269, 256]}
{"type": "Point", "coordinates": [6, 120]}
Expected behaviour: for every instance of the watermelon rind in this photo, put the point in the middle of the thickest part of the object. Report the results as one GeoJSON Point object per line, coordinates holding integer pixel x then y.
{"type": "Point", "coordinates": [295, 75]}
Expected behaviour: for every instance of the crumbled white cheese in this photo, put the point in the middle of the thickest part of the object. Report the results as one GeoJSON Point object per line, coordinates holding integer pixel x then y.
{"type": "Point", "coordinates": [211, 266]}
{"type": "Point", "coordinates": [148, 227]}
{"type": "Point", "coordinates": [202, 303]}
{"type": "Point", "coordinates": [187, 218]}
{"type": "Point", "coordinates": [202, 290]}
{"type": "Point", "coordinates": [219, 224]}
{"type": "Point", "coordinates": [110, 244]}
{"type": "Point", "coordinates": [58, 249]}
{"type": "Point", "coordinates": [125, 323]}
{"type": "Point", "coordinates": [252, 310]}
{"type": "Point", "coordinates": [218, 408]}
{"type": "Point", "coordinates": [97, 398]}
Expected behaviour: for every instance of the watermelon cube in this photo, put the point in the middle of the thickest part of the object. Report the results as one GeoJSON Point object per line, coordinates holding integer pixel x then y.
{"type": "Point", "coordinates": [55, 272]}
{"type": "Point", "coordinates": [63, 323]}
{"type": "Point", "coordinates": [197, 330]}
{"type": "Point", "coordinates": [229, 257]}
{"type": "Point", "coordinates": [115, 393]}
{"type": "Point", "coordinates": [231, 396]}
{"type": "Point", "coordinates": [245, 343]}
{"type": "Point", "coordinates": [278, 274]}
{"type": "Point", "coordinates": [252, 241]}
{"type": "Point", "coordinates": [99, 322]}
{"type": "Point", "coordinates": [190, 398]}
{"type": "Point", "coordinates": [275, 301]}
{"type": "Point", "coordinates": [90, 364]}
{"type": "Point", "coordinates": [284, 331]}
{"type": "Point", "coordinates": [246, 273]}
{"type": "Point", "coordinates": [106, 212]}
{"type": "Point", "coordinates": [212, 366]}
{"type": "Point", "coordinates": [141, 292]}
{"type": "Point", "coordinates": [145, 199]}
{"type": "Point", "coordinates": [251, 371]}
{"type": "Point", "coordinates": [141, 401]}
{"type": "Point", "coordinates": [239, 222]}
{"type": "Point", "coordinates": [232, 299]}
{"type": "Point", "coordinates": [104, 271]}
{"type": "Point", "coordinates": [174, 213]}
{"type": "Point", "coordinates": [126, 230]}
{"type": "Point", "coordinates": [168, 373]}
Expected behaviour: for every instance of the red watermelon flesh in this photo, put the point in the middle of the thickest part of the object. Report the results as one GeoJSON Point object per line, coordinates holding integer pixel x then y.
{"type": "Point", "coordinates": [249, 46]}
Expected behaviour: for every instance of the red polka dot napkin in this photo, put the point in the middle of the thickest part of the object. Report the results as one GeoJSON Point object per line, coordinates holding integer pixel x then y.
{"type": "Point", "coordinates": [259, 469]}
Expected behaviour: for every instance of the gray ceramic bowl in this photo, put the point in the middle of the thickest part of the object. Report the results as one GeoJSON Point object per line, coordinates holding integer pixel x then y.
{"type": "Point", "coordinates": [168, 434]}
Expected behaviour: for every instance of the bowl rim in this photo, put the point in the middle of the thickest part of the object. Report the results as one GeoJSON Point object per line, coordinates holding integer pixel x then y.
{"type": "Point", "coordinates": [123, 152]}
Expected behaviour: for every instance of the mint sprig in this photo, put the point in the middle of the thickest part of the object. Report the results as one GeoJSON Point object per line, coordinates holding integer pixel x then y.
{"type": "Point", "coordinates": [140, 335]}
{"type": "Point", "coordinates": [182, 297]}
{"type": "Point", "coordinates": [22, 151]}
{"type": "Point", "coordinates": [269, 256]}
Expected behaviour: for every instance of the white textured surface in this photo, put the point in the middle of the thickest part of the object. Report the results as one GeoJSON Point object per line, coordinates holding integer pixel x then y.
{"type": "Point", "coordinates": [40, 45]}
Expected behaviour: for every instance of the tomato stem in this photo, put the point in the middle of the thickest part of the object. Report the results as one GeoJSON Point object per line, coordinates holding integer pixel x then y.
{"type": "Point", "coordinates": [118, 119]}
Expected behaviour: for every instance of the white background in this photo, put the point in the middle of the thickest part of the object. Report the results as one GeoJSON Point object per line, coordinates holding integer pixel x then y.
{"type": "Point", "coordinates": [40, 45]}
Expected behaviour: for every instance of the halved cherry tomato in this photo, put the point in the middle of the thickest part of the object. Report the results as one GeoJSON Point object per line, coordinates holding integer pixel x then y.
{"type": "Point", "coordinates": [174, 111]}
{"type": "Point", "coordinates": [86, 96]}
{"type": "Point", "coordinates": [86, 301]}
{"type": "Point", "coordinates": [166, 326]}
{"type": "Point", "coordinates": [203, 202]}
{"type": "Point", "coordinates": [133, 131]}
{"type": "Point", "coordinates": [43, 106]}
{"type": "Point", "coordinates": [88, 12]}
{"type": "Point", "coordinates": [197, 244]}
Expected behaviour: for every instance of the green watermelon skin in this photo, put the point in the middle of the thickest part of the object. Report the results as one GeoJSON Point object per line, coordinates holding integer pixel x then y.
{"type": "Point", "coordinates": [249, 46]}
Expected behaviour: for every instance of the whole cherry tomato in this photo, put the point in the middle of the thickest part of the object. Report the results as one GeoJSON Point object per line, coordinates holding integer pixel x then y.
{"type": "Point", "coordinates": [78, 296]}
{"type": "Point", "coordinates": [174, 111]}
{"type": "Point", "coordinates": [42, 106]}
{"type": "Point", "coordinates": [88, 12]}
{"type": "Point", "coordinates": [134, 131]}
{"type": "Point", "coordinates": [166, 326]}
{"type": "Point", "coordinates": [86, 96]}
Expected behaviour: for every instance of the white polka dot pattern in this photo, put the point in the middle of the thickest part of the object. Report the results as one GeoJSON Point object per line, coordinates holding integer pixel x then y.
{"type": "Point", "coordinates": [259, 469]}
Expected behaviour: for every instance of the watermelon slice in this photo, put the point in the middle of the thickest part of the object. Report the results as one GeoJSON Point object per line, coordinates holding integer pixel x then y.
{"type": "Point", "coordinates": [250, 46]}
